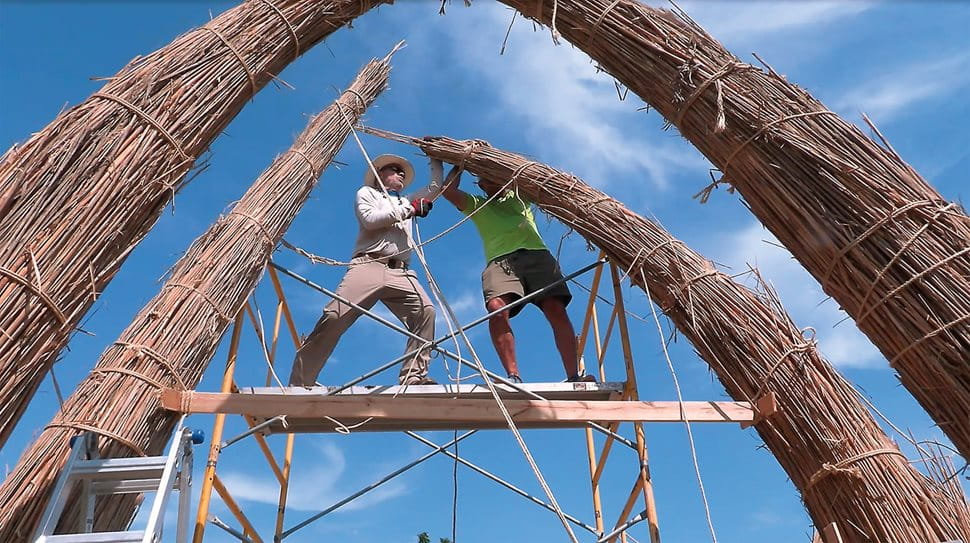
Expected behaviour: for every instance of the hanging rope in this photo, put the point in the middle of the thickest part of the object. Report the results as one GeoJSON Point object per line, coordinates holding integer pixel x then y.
{"type": "Point", "coordinates": [680, 402]}
{"type": "Point", "coordinates": [478, 363]}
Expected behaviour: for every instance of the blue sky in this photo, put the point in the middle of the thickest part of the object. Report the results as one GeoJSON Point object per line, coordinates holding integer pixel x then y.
{"type": "Point", "coordinates": [906, 64]}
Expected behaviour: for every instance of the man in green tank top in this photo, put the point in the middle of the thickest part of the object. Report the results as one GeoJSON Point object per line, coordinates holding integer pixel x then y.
{"type": "Point", "coordinates": [518, 264]}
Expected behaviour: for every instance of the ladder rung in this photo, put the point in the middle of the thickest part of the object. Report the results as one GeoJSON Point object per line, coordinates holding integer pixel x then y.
{"type": "Point", "coordinates": [120, 468]}
{"type": "Point", "coordinates": [128, 486]}
{"type": "Point", "coordinates": [134, 536]}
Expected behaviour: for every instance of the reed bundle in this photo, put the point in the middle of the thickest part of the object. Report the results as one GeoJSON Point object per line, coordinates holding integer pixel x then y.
{"type": "Point", "coordinates": [881, 241]}
{"type": "Point", "coordinates": [846, 468]}
{"type": "Point", "coordinates": [172, 339]}
{"type": "Point", "coordinates": [78, 196]}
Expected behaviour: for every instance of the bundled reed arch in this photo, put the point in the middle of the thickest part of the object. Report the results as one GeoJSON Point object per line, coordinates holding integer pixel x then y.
{"type": "Point", "coordinates": [882, 242]}
{"type": "Point", "coordinates": [79, 195]}
{"type": "Point", "coordinates": [848, 471]}
{"type": "Point", "coordinates": [893, 253]}
{"type": "Point", "coordinates": [172, 339]}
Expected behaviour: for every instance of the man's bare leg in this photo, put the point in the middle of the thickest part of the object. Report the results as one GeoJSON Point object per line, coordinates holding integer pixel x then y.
{"type": "Point", "coordinates": [563, 332]}
{"type": "Point", "coordinates": [501, 332]}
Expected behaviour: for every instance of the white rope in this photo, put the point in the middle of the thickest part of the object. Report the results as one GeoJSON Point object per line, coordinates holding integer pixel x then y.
{"type": "Point", "coordinates": [258, 325]}
{"type": "Point", "coordinates": [452, 325]}
{"type": "Point", "coordinates": [507, 416]}
{"type": "Point", "coordinates": [680, 402]}
{"type": "Point", "coordinates": [481, 367]}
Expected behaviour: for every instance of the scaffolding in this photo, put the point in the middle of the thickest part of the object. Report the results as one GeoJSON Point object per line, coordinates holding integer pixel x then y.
{"type": "Point", "coordinates": [596, 407]}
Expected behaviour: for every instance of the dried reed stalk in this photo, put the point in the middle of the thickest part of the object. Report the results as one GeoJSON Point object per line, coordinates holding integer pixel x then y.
{"type": "Point", "coordinates": [880, 240]}
{"type": "Point", "coordinates": [78, 196]}
{"type": "Point", "coordinates": [172, 339]}
{"type": "Point", "coordinates": [848, 471]}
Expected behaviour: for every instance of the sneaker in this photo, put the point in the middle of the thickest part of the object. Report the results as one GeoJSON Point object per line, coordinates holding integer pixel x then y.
{"type": "Point", "coordinates": [418, 380]}
{"type": "Point", "coordinates": [514, 378]}
{"type": "Point", "coordinates": [581, 379]}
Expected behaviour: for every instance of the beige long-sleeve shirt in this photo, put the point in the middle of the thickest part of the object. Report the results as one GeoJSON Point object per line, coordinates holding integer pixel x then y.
{"type": "Point", "coordinates": [385, 222]}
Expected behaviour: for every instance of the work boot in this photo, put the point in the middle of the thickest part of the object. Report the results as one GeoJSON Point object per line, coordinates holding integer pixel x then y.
{"type": "Point", "coordinates": [418, 380]}
{"type": "Point", "coordinates": [581, 379]}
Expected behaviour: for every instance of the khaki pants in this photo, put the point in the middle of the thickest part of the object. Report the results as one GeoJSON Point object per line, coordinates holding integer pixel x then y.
{"type": "Point", "coordinates": [365, 284]}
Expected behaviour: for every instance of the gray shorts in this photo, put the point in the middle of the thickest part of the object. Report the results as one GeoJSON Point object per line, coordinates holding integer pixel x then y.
{"type": "Point", "coordinates": [521, 273]}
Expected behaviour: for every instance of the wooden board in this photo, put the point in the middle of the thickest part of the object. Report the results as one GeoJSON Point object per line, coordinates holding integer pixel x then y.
{"type": "Point", "coordinates": [549, 391]}
{"type": "Point", "coordinates": [306, 412]}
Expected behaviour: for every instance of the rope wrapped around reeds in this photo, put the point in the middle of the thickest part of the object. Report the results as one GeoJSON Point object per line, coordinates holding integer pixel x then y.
{"type": "Point", "coordinates": [881, 241]}
{"type": "Point", "coordinates": [848, 471]}
{"type": "Point", "coordinates": [78, 196]}
{"type": "Point", "coordinates": [172, 339]}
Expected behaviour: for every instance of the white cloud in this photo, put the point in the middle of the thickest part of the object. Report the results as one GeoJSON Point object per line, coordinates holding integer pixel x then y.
{"type": "Point", "coordinates": [886, 97]}
{"type": "Point", "coordinates": [571, 111]}
{"type": "Point", "coordinates": [749, 22]}
{"type": "Point", "coordinates": [315, 489]}
{"type": "Point", "coordinates": [466, 305]}
{"type": "Point", "coordinates": [839, 340]}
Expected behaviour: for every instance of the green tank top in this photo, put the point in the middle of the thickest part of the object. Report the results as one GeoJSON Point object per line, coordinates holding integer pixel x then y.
{"type": "Point", "coordinates": [505, 224]}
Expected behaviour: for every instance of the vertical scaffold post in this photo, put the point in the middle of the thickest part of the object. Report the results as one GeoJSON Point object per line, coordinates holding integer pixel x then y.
{"type": "Point", "coordinates": [590, 445]}
{"type": "Point", "coordinates": [644, 482]}
{"type": "Point", "coordinates": [288, 455]}
{"type": "Point", "coordinates": [216, 444]}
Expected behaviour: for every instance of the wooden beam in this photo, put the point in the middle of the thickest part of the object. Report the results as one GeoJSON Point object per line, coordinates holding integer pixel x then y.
{"type": "Point", "coordinates": [452, 409]}
{"type": "Point", "coordinates": [765, 407]}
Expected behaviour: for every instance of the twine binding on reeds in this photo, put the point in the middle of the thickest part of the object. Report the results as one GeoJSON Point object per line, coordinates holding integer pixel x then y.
{"type": "Point", "coordinates": [868, 311]}
{"type": "Point", "coordinates": [892, 261]}
{"type": "Point", "coordinates": [668, 300]}
{"type": "Point", "coordinates": [518, 171]}
{"type": "Point", "coordinates": [77, 425]}
{"type": "Point", "coordinates": [148, 119]}
{"type": "Point", "coordinates": [301, 154]}
{"type": "Point", "coordinates": [665, 243]}
{"type": "Point", "coordinates": [928, 335]}
{"type": "Point", "coordinates": [705, 194]}
{"type": "Point", "coordinates": [239, 57]}
{"type": "Point", "coordinates": [140, 376]}
{"type": "Point", "coordinates": [471, 147]}
{"type": "Point", "coordinates": [155, 356]}
{"type": "Point", "coordinates": [266, 234]}
{"type": "Point", "coordinates": [840, 466]}
{"type": "Point", "coordinates": [897, 256]}
{"type": "Point", "coordinates": [727, 69]}
{"type": "Point", "coordinates": [286, 22]}
{"type": "Point", "coordinates": [48, 301]}
{"type": "Point", "coordinates": [593, 30]}
{"type": "Point", "coordinates": [799, 348]}
{"type": "Point", "coordinates": [361, 103]}
{"type": "Point", "coordinates": [871, 230]}
{"type": "Point", "coordinates": [204, 296]}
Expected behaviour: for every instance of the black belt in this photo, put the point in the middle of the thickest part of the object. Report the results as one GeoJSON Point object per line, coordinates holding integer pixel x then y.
{"type": "Point", "coordinates": [392, 263]}
{"type": "Point", "coordinates": [396, 264]}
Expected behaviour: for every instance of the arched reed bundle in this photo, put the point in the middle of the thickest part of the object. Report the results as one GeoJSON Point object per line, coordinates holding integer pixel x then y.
{"type": "Point", "coordinates": [78, 196]}
{"type": "Point", "coordinates": [880, 240]}
{"type": "Point", "coordinates": [846, 468]}
{"type": "Point", "coordinates": [172, 339]}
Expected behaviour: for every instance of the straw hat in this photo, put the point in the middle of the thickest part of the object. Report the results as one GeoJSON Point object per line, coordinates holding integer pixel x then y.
{"type": "Point", "coordinates": [385, 160]}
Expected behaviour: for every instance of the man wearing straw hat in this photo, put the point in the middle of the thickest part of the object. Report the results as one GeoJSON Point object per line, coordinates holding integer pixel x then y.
{"type": "Point", "coordinates": [518, 264]}
{"type": "Point", "coordinates": [378, 271]}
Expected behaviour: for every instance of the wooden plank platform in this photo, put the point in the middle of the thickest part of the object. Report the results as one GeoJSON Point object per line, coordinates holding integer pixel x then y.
{"type": "Point", "coordinates": [549, 391]}
{"type": "Point", "coordinates": [433, 407]}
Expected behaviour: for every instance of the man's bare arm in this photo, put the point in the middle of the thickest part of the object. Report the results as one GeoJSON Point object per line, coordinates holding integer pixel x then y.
{"type": "Point", "coordinates": [452, 193]}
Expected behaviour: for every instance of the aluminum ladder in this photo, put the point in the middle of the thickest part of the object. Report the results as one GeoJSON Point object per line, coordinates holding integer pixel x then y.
{"type": "Point", "coordinates": [102, 476]}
